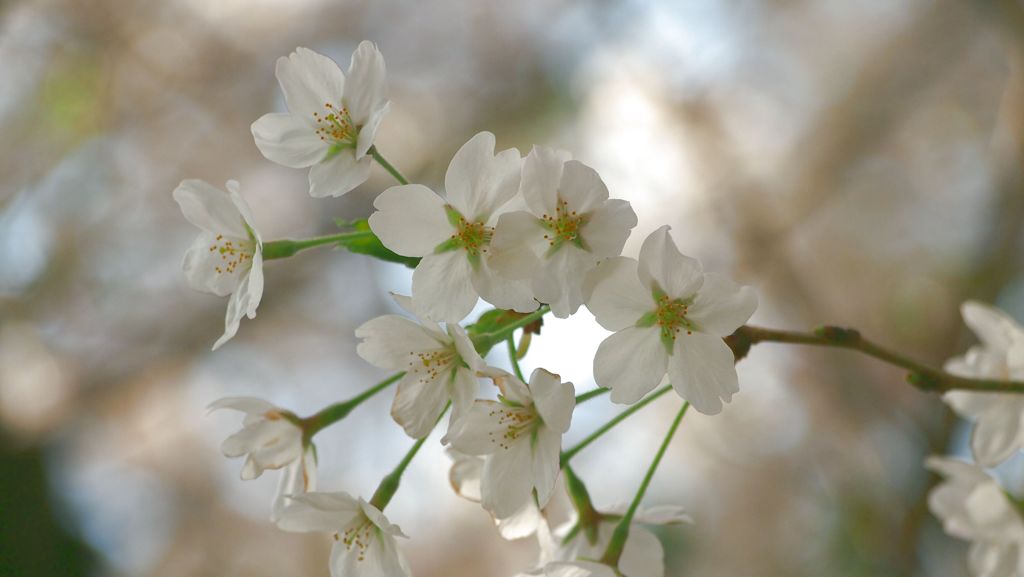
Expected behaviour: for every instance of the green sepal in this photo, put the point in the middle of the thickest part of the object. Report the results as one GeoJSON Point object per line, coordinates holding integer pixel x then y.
{"type": "Point", "coordinates": [455, 217]}
{"type": "Point", "coordinates": [648, 320]}
{"type": "Point", "coordinates": [447, 246]}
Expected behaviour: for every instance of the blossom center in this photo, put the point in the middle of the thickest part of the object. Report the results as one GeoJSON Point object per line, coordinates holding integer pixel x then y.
{"type": "Point", "coordinates": [358, 535]}
{"type": "Point", "coordinates": [431, 365]}
{"type": "Point", "coordinates": [670, 316]}
{"type": "Point", "coordinates": [513, 423]}
{"type": "Point", "coordinates": [335, 125]}
{"type": "Point", "coordinates": [564, 226]}
{"type": "Point", "coordinates": [233, 253]}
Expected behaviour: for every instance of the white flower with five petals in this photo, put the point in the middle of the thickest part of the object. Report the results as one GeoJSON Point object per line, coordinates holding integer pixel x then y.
{"type": "Point", "coordinates": [999, 417]}
{"type": "Point", "coordinates": [453, 234]}
{"type": "Point", "coordinates": [973, 507]}
{"type": "Point", "coordinates": [270, 440]}
{"type": "Point", "coordinates": [570, 226]}
{"type": "Point", "coordinates": [669, 317]}
{"type": "Point", "coordinates": [520, 436]}
{"type": "Point", "coordinates": [227, 256]}
{"type": "Point", "coordinates": [331, 120]}
{"type": "Point", "coordinates": [365, 544]}
{"type": "Point", "coordinates": [440, 366]}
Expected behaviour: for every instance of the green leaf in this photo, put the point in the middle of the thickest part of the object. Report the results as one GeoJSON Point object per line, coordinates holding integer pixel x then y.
{"type": "Point", "coordinates": [370, 245]}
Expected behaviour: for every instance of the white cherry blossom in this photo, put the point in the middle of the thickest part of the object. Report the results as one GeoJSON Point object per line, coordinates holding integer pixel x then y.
{"type": "Point", "coordinates": [999, 417]}
{"type": "Point", "coordinates": [331, 120]}
{"type": "Point", "coordinates": [453, 234]}
{"type": "Point", "coordinates": [973, 507]}
{"type": "Point", "coordinates": [364, 540]}
{"type": "Point", "coordinates": [668, 317]}
{"type": "Point", "coordinates": [570, 226]}
{"type": "Point", "coordinates": [465, 477]}
{"type": "Point", "coordinates": [520, 436]}
{"type": "Point", "coordinates": [440, 366]}
{"type": "Point", "coordinates": [227, 256]}
{"type": "Point", "coordinates": [270, 440]}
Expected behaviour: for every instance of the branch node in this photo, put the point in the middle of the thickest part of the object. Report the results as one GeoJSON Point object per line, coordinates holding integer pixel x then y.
{"type": "Point", "coordinates": [838, 334]}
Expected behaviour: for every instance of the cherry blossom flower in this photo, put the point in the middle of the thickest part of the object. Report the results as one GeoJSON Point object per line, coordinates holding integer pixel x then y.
{"type": "Point", "coordinates": [465, 477]}
{"type": "Point", "coordinates": [570, 226]}
{"type": "Point", "coordinates": [999, 417]}
{"type": "Point", "coordinates": [642, 555]}
{"type": "Point", "coordinates": [331, 120]}
{"type": "Point", "coordinates": [453, 234]}
{"type": "Point", "coordinates": [973, 507]}
{"type": "Point", "coordinates": [364, 540]}
{"type": "Point", "coordinates": [270, 440]}
{"type": "Point", "coordinates": [227, 256]}
{"type": "Point", "coordinates": [520, 436]}
{"type": "Point", "coordinates": [668, 316]}
{"type": "Point", "coordinates": [440, 366]}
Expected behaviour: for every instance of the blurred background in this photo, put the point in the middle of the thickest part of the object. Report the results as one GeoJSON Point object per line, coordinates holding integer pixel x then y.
{"type": "Point", "coordinates": [859, 163]}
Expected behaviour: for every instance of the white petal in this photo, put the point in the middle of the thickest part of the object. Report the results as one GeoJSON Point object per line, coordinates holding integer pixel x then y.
{"type": "Point", "coordinates": [614, 294]}
{"type": "Point", "coordinates": [518, 237]}
{"type": "Point", "coordinates": [545, 462]}
{"type": "Point", "coordinates": [419, 401]}
{"type": "Point", "coordinates": [703, 371]}
{"type": "Point", "coordinates": [465, 474]}
{"type": "Point", "coordinates": [992, 513]}
{"type": "Point", "coordinates": [581, 188]}
{"type": "Point", "coordinates": [992, 325]}
{"type": "Point", "coordinates": [554, 399]}
{"type": "Point", "coordinates": [500, 292]}
{"type": "Point", "coordinates": [542, 175]}
{"type": "Point", "coordinates": [464, 346]}
{"type": "Point", "coordinates": [248, 405]}
{"type": "Point", "coordinates": [722, 306]}
{"type": "Point", "coordinates": [210, 209]}
{"type": "Point", "coordinates": [288, 140]}
{"type": "Point", "coordinates": [442, 287]}
{"type": "Point", "coordinates": [608, 228]}
{"type": "Point", "coordinates": [992, 560]}
{"type": "Point", "coordinates": [238, 306]}
{"type": "Point", "coordinates": [642, 555]}
{"type": "Point", "coordinates": [376, 516]}
{"type": "Point", "coordinates": [339, 174]}
{"type": "Point", "coordinates": [663, 515]}
{"type": "Point", "coordinates": [662, 265]}
{"type": "Point", "coordinates": [510, 386]}
{"type": "Point", "coordinates": [366, 90]}
{"type": "Point", "coordinates": [368, 133]}
{"type": "Point", "coordinates": [478, 182]}
{"type": "Point", "coordinates": [522, 523]}
{"type": "Point", "coordinates": [381, 558]}
{"type": "Point", "coordinates": [200, 267]}
{"type": "Point", "coordinates": [309, 81]}
{"type": "Point", "coordinates": [472, 433]}
{"type": "Point", "coordinates": [235, 194]}
{"type": "Point", "coordinates": [997, 434]}
{"type": "Point", "coordinates": [319, 512]}
{"type": "Point", "coordinates": [559, 279]}
{"type": "Point", "coordinates": [389, 341]}
{"type": "Point", "coordinates": [410, 220]}
{"type": "Point", "coordinates": [252, 286]}
{"type": "Point", "coordinates": [631, 362]}
{"type": "Point", "coordinates": [507, 480]}
{"type": "Point", "coordinates": [463, 390]}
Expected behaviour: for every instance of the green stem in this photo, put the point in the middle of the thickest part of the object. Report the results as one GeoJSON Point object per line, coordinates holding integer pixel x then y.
{"type": "Point", "coordinates": [584, 397]}
{"type": "Point", "coordinates": [332, 414]}
{"type": "Point", "coordinates": [921, 376]}
{"type": "Point", "coordinates": [285, 248]}
{"type": "Point", "coordinates": [618, 542]}
{"type": "Point", "coordinates": [589, 517]}
{"type": "Point", "coordinates": [387, 165]}
{"type": "Point", "coordinates": [389, 484]}
{"type": "Point", "coordinates": [567, 455]}
{"type": "Point", "coordinates": [513, 357]}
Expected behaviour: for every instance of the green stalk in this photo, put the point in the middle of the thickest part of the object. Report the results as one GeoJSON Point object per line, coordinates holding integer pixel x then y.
{"type": "Point", "coordinates": [285, 248]}
{"type": "Point", "coordinates": [513, 356]}
{"type": "Point", "coordinates": [387, 165]}
{"type": "Point", "coordinates": [332, 414]}
{"type": "Point", "coordinates": [389, 484]}
{"type": "Point", "coordinates": [569, 454]}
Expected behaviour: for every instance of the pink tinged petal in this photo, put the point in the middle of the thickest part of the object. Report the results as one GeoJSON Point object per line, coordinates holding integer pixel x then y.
{"type": "Point", "coordinates": [997, 434]}
{"type": "Point", "coordinates": [309, 81]}
{"type": "Point", "coordinates": [614, 294]}
{"type": "Point", "coordinates": [289, 140]}
{"type": "Point", "coordinates": [559, 279]}
{"type": "Point", "coordinates": [339, 174]}
{"type": "Point", "coordinates": [542, 175]}
{"type": "Point", "coordinates": [210, 209]}
{"type": "Point", "coordinates": [631, 362]}
{"type": "Point", "coordinates": [248, 405]}
{"type": "Point", "coordinates": [545, 463]}
{"type": "Point", "coordinates": [663, 266]}
{"type": "Point", "coordinates": [606, 231]}
{"type": "Point", "coordinates": [581, 188]}
{"type": "Point", "coordinates": [522, 523]}
{"type": "Point", "coordinates": [200, 267]}
{"type": "Point", "coordinates": [410, 220]}
{"type": "Point", "coordinates": [366, 92]}
{"type": "Point", "coordinates": [465, 474]}
{"type": "Point", "coordinates": [500, 292]}
{"type": "Point", "coordinates": [722, 306]}
{"type": "Point", "coordinates": [479, 182]}
{"type": "Point", "coordinates": [993, 327]}
{"type": "Point", "coordinates": [507, 480]}
{"type": "Point", "coordinates": [643, 555]}
{"type": "Point", "coordinates": [419, 402]}
{"type": "Point", "coordinates": [473, 433]}
{"type": "Point", "coordinates": [703, 371]}
{"type": "Point", "coordinates": [553, 399]}
{"type": "Point", "coordinates": [368, 133]}
{"type": "Point", "coordinates": [442, 287]}
{"type": "Point", "coordinates": [390, 340]}
{"type": "Point", "coordinates": [518, 239]}
{"type": "Point", "coordinates": [310, 512]}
